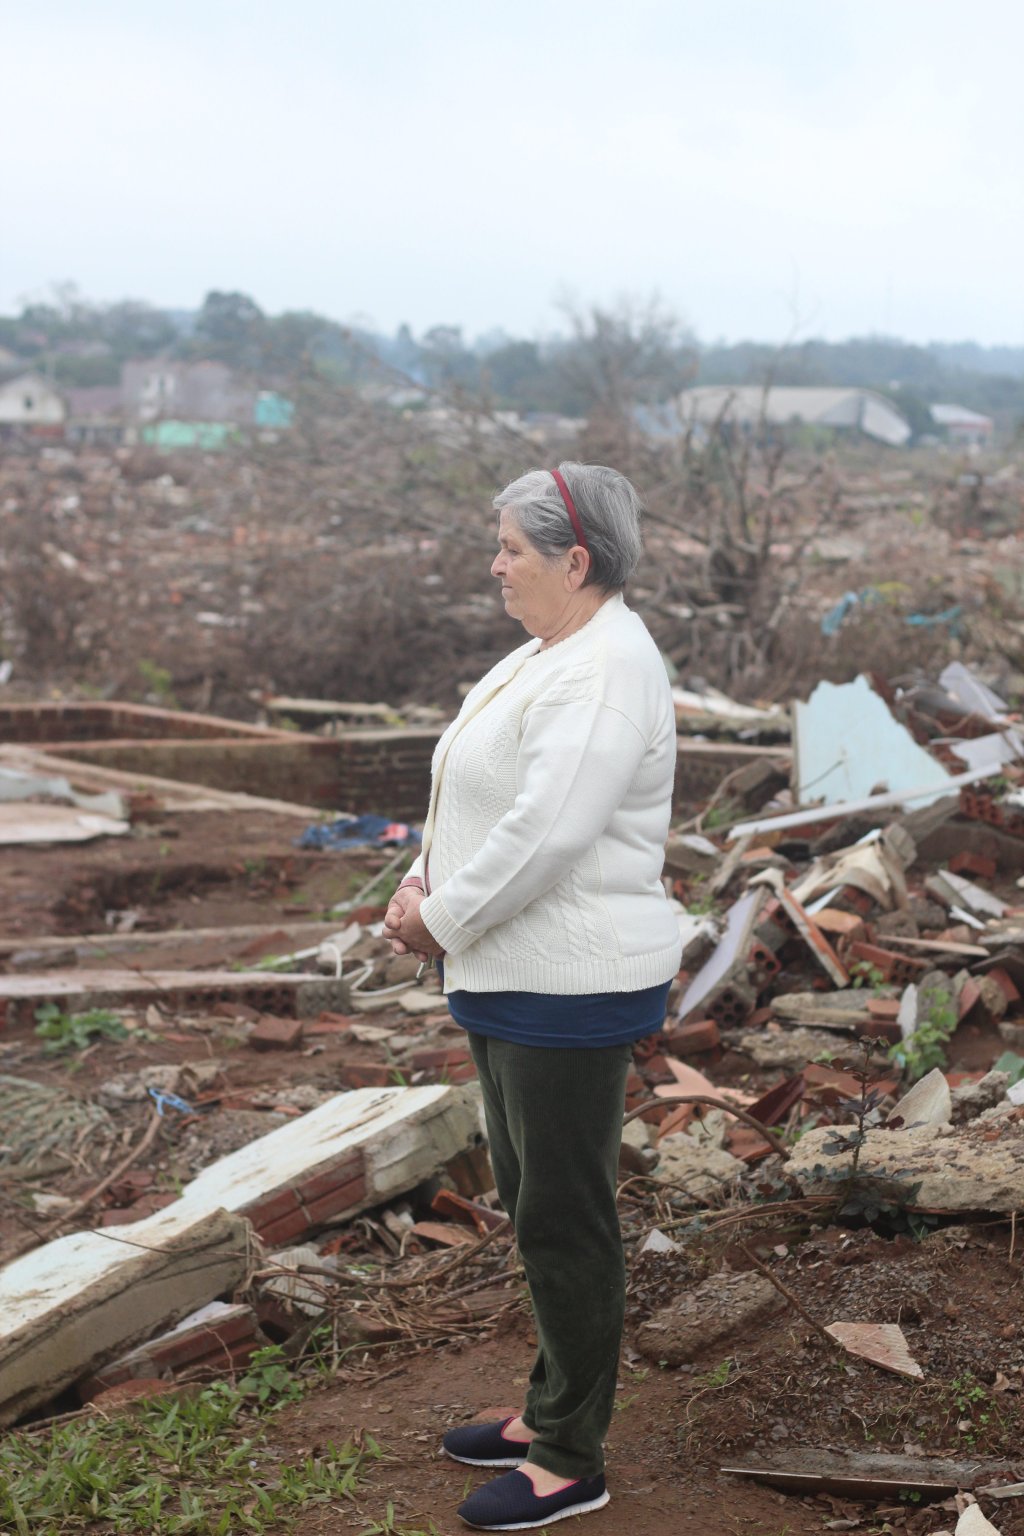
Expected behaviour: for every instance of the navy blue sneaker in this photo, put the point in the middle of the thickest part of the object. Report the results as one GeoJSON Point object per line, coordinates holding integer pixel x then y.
{"type": "Point", "coordinates": [510, 1504]}
{"type": "Point", "coordinates": [485, 1445]}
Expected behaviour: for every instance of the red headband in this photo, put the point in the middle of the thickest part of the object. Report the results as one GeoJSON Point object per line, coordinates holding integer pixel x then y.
{"type": "Point", "coordinates": [570, 507]}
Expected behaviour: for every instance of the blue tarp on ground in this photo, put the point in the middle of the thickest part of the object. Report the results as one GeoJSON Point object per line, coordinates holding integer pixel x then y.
{"type": "Point", "coordinates": [358, 832]}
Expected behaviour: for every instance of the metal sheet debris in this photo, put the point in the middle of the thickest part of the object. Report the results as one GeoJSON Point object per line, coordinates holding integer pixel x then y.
{"type": "Point", "coordinates": [24, 823]}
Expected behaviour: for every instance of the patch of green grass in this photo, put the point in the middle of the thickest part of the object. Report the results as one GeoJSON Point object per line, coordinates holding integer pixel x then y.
{"type": "Point", "coordinates": [196, 1466]}
{"type": "Point", "coordinates": [387, 1526]}
{"type": "Point", "coordinates": [74, 1031]}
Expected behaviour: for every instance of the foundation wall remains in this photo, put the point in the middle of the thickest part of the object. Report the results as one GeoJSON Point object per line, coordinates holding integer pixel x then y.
{"type": "Point", "coordinates": [36, 724]}
{"type": "Point", "coordinates": [386, 771]}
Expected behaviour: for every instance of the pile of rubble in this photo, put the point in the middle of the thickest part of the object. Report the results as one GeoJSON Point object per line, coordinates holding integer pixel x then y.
{"type": "Point", "coordinates": [291, 1140]}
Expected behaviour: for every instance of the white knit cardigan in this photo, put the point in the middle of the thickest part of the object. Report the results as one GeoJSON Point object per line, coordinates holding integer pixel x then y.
{"type": "Point", "coordinates": [549, 809]}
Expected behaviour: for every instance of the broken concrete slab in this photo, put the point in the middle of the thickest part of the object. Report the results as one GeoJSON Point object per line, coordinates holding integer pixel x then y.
{"type": "Point", "coordinates": [83, 1299]}
{"type": "Point", "coordinates": [854, 1475]}
{"type": "Point", "coordinates": [77, 991]}
{"type": "Point", "coordinates": [972, 1099]}
{"type": "Point", "coordinates": [355, 1150]}
{"type": "Point", "coordinates": [716, 1309]}
{"type": "Point", "coordinates": [979, 1167]}
{"type": "Point", "coordinates": [790, 1047]}
{"type": "Point", "coordinates": [700, 1167]}
{"type": "Point", "coordinates": [847, 1012]}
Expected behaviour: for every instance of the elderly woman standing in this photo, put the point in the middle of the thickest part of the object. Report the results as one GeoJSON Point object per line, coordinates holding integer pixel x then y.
{"type": "Point", "coordinates": [539, 883]}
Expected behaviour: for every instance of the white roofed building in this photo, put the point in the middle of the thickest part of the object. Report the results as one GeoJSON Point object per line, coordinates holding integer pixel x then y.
{"type": "Point", "coordinates": [29, 403]}
{"type": "Point", "coordinates": [963, 426]}
{"type": "Point", "coordinates": [746, 405]}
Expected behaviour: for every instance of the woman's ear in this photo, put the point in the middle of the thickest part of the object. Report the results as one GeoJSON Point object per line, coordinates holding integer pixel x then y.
{"type": "Point", "coordinates": [577, 568]}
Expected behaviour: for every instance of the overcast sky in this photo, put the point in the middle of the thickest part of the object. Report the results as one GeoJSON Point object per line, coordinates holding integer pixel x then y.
{"type": "Point", "coordinates": [770, 168]}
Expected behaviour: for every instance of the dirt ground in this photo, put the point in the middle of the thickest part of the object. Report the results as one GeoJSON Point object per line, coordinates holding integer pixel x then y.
{"type": "Point", "coordinates": [959, 1299]}
{"type": "Point", "coordinates": [769, 1391]}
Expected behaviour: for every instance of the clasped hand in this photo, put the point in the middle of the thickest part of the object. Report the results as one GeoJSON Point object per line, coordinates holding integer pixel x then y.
{"type": "Point", "coordinates": [405, 929]}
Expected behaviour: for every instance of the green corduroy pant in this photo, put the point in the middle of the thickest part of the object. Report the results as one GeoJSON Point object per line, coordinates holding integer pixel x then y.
{"type": "Point", "coordinates": [554, 1122]}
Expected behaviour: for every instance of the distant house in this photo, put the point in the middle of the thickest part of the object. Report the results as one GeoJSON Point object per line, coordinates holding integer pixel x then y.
{"type": "Point", "coordinates": [94, 414]}
{"type": "Point", "coordinates": [747, 405]}
{"type": "Point", "coordinates": [196, 404]}
{"type": "Point", "coordinates": [963, 426]}
{"type": "Point", "coordinates": [29, 403]}
{"type": "Point", "coordinates": [158, 389]}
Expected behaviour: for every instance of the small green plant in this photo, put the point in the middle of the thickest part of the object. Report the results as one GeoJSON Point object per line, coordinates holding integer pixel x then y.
{"type": "Point", "coordinates": [74, 1031]}
{"type": "Point", "coordinates": [926, 1047]}
{"type": "Point", "coordinates": [387, 1526]}
{"type": "Point", "coordinates": [973, 1405]}
{"type": "Point", "coordinates": [719, 1375]}
{"type": "Point", "coordinates": [864, 974]}
{"type": "Point", "coordinates": [716, 817]}
{"type": "Point", "coordinates": [269, 1378]}
{"type": "Point", "coordinates": [158, 682]}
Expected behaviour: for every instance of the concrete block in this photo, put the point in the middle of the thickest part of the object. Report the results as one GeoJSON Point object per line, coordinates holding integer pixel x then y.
{"type": "Point", "coordinates": [77, 991]}
{"type": "Point", "coordinates": [79, 1301]}
{"type": "Point", "coordinates": [355, 1150]}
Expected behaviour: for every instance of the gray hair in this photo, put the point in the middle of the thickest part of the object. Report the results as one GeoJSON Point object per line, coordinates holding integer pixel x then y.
{"type": "Point", "coordinates": [608, 508]}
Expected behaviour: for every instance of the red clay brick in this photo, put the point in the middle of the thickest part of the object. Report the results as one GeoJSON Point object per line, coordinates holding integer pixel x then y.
{"type": "Point", "coordinates": [966, 862]}
{"type": "Point", "coordinates": [444, 1056]}
{"type": "Point", "coordinates": [1004, 981]}
{"type": "Point", "coordinates": [343, 1172]}
{"type": "Point", "coordinates": [283, 1230]}
{"type": "Point", "coordinates": [277, 1035]}
{"type": "Point", "coordinates": [124, 1394]}
{"type": "Point", "coordinates": [142, 1207]}
{"type": "Point", "coordinates": [269, 1208]}
{"type": "Point", "coordinates": [462, 1074]}
{"type": "Point", "coordinates": [338, 1201]}
{"type": "Point", "coordinates": [843, 925]}
{"type": "Point", "coordinates": [694, 1039]}
{"type": "Point", "coordinates": [367, 1074]}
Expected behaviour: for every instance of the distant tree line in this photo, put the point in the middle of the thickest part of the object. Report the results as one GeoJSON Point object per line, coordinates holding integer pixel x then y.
{"type": "Point", "coordinates": [607, 358]}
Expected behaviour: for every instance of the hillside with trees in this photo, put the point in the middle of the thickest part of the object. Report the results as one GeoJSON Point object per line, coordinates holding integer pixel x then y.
{"type": "Point", "coordinates": [605, 358]}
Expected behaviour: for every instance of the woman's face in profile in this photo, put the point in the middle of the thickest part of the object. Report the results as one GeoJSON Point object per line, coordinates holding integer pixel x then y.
{"type": "Point", "coordinates": [534, 589]}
